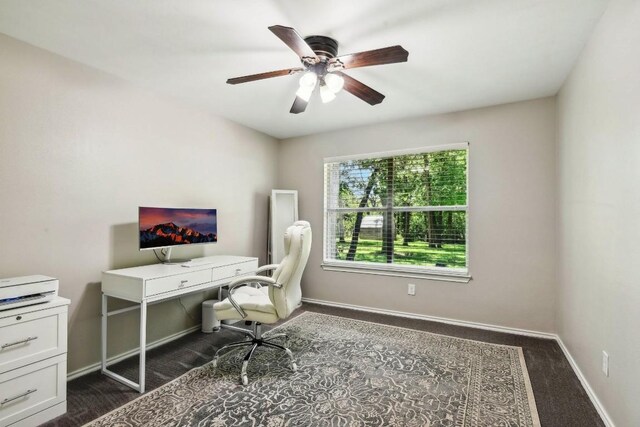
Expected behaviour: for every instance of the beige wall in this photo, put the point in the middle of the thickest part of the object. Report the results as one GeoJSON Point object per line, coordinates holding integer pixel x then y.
{"type": "Point", "coordinates": [511, 216]}
{"type": "Point", "coordinates": [599, 201]}
{"type": "Point", "coordinates": [80, 150]}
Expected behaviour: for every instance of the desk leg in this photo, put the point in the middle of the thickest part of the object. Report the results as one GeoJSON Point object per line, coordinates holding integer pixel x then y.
{"type": "Point", "coordinates": [103, 339]}
{"type": "Point", "coordinates": [143, 338]}
{"type": "Point", "coordinates": [143, 343]}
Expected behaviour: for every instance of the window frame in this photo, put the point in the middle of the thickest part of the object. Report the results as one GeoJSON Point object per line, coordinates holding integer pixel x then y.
{"type": "Point", "coordinates": [460, 275]}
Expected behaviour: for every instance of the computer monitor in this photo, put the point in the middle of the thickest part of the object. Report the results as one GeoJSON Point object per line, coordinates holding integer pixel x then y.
{"type": "Point", "coordinates": [169, 227]}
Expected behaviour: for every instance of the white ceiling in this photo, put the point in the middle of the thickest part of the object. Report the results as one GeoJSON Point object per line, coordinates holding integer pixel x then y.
{"type": "Point", "coordinates": [462, 53]}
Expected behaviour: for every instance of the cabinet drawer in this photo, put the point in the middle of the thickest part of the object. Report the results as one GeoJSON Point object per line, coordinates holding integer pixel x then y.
{"type": "Point", "coordinates": [31, 389]}
{"type": "Point", "coordinates": [31, 337]}
{"type": "Point", "coordinates": [229, 272]}
{"type": "Point", "coordinates": [180, 281]}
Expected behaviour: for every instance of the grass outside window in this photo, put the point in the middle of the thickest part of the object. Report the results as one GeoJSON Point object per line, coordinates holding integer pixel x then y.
{"type": "Point", "coordinates": [400, 210]}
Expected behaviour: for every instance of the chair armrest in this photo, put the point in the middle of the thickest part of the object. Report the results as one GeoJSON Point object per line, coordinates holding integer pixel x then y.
{"type": "Point", "coordinates": [266, 268]}
{"type": "Point", "coordinates": [245, 280]}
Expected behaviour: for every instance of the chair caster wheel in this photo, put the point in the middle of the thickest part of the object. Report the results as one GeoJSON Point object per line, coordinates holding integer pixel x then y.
{"type": "Point", "coordinates": [294, 367]}
{"type": "Point", "coordinates": [244, 380]}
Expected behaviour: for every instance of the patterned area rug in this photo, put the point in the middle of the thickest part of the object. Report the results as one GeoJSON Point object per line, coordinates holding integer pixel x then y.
{"type": "Point", "coordinates": [350, 373]}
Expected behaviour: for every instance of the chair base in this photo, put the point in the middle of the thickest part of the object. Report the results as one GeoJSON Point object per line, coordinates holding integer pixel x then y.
{"type": "Point", "coordinates": [256, 341]}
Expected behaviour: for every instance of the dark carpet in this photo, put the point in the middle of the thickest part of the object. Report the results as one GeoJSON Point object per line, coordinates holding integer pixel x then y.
{"type": "Point", "coordinates": [560, 398]}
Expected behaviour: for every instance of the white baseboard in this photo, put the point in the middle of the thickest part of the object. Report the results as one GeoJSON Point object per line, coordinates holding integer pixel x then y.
{"type": "Point", "coordinates": [606, 419]}
{"type": "Point", "coordinates": [119, 357]}
{"type": "Point", "coordinates": [468, 324]}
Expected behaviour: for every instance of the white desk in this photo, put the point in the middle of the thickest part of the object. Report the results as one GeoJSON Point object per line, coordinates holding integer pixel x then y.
{"type": "Point", "coordinates": [159, 282]}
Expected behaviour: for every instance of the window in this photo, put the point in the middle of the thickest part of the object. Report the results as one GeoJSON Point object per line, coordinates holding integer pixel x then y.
{"type": "Point", "coordinates": [400, 213]}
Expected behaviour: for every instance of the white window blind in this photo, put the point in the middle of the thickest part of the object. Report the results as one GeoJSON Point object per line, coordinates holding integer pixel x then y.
{"type": "Point", "coordinates": [398, 211]}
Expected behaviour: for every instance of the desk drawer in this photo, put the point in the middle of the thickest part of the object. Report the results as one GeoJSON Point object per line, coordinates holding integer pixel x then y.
{"type": "Point", "coordinates": [31, 337]}
{"type": "Point", "coordinates": [231, 271]}
{"type": "Point", "coordinates": [31, 389]}
{"type": "Point", "coordinates": [180, 281]}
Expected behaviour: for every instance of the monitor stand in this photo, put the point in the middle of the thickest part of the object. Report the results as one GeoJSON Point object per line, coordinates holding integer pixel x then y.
{"type": "Point", "coordinates": [170, 261]}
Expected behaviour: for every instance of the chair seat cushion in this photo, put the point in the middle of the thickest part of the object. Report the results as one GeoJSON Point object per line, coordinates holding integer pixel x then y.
{"type": "Point", "coordinates": [254, 301]}
{"type": "Point", "coordinates": [250, 290]}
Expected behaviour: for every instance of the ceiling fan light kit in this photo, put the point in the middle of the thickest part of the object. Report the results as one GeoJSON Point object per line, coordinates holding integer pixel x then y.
{"type": "Point", "coordinates": [334, 81]}
{"type": "Point", "coordinates": [309, 79]}
{"type": "Point", "coordinates": [304, 92]}
{"type": "Point", "coordinates": [322, 67]}
{"type": "Point", "coordinates": [326, 94]}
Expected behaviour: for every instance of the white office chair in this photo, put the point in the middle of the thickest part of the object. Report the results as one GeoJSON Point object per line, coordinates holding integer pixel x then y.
{"type": "Point", "coordinates": [275, 298]}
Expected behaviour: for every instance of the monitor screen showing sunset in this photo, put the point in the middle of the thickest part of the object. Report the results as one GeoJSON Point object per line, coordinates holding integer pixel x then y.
{"type": "Point", "coordinates": [162, 227]}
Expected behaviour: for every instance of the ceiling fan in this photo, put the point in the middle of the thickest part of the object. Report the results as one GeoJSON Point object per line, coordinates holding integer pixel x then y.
{"type": "Point", "coordinates": [321, 67]}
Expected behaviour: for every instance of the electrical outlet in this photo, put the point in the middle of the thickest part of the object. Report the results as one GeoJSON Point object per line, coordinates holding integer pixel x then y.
{"type": "Point", "coordinates": [605, 363]}
{"type": "Point", "coordinates": [411, 290]}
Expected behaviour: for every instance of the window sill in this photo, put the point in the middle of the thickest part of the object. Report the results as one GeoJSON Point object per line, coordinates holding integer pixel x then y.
{"type": "Point", "coordinates": [398, 271]}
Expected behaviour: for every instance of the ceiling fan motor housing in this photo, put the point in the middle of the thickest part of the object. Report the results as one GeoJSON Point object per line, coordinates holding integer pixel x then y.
{"type": "Point", "coordinates": [323, 46]}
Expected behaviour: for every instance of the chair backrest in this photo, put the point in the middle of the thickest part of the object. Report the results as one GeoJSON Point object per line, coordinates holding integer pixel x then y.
{"type": "Point", "coordinates": [297, 246]}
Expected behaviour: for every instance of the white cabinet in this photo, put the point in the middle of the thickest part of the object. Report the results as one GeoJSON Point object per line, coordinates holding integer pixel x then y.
{"type": "Point", "coordinates": [33, 363]}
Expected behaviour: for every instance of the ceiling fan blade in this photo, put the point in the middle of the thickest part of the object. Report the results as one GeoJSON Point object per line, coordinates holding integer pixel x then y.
{"type": "Point", "coordinates": [361, 90]}
{"type": "Point", "coordinates": [261, 76]}
{"type": "Point", "coordinates": [291, 38]}
{"type": "Point", "coordinates": [299, 105]}
{"type": "Point", "coordinates": [386, 55]}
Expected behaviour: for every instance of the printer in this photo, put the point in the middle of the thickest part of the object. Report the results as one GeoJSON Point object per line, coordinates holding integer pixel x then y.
{"type": "Point", "coordinates": [27, 290]}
